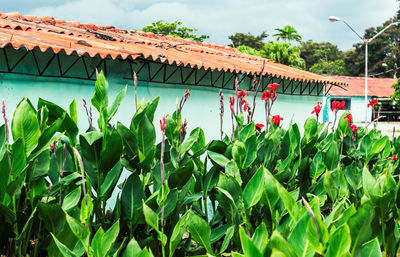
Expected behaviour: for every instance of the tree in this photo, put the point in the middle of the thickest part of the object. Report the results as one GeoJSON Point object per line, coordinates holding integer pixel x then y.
{"type": "Point", "coordinates": [314, 52]}
{"type": "Point", "coordinates": [284, 53]}
{"type": "Point", "coordinates": [336, 67]}
{"type": "Point", "coordinates": [241, 39]}
{"type": "Point", "coordinates": [385, 49]}
{"type": "Point", "coordinates": [174, 29]}
{"type": "Point", "coordinates": [288, 33]}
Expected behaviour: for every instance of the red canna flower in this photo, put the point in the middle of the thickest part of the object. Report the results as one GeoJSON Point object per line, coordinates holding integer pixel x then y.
{"type": "Point", "coordinates": [259, 127]}
{"type": "Point", "coordinates": [349, 118]}
{"type": "Point", "coordinates": [163, 124]}
{"type": "Point", "coordinates": [336, 106]}
{"type": "Point", "coordinates": [273, 87]}
{"type": "Point", "coordinates": [266, 95]}
{"type": "Point", "coordinates": [394, 158]}
{"type": "Point", "coordinates": [244, 104]}
{"type": "Point", "coordinates": [354, 129]}
{"type": "Point", "coordinates": [317, 109]}
{"type": "Point", "coordinates": [242, 93]}
{"type": "Point", "coordinates": [232, 102]}
{"type": "Point", "coordinates": [372, 103]}
{"type": "Point", "coordinates": [276, 119]}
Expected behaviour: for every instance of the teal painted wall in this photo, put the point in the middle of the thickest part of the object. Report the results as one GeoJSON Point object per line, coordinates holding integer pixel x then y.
{"type": "Point", "coordinates": [202, 108]}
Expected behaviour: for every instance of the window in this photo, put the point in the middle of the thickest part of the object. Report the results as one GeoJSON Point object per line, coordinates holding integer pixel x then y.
{"type": "Point", "coordinates": [347, 102]}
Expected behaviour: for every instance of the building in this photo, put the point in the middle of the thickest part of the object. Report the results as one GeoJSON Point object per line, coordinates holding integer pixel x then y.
{"type": "Point", "coordinates": [354, 97]}
{"type": "Point", "coordinates": [57, 60]}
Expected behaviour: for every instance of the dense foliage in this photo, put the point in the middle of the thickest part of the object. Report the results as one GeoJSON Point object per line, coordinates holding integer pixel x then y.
{"type": "Point", "coordinates": [241, 39]}
{"type": "Point", "coordinates": [271, 192]}
{"type": "Point", "coordinates": [174, 29]}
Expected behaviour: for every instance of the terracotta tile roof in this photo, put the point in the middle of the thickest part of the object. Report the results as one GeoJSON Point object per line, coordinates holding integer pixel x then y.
{"type": "Point", "coordinates": [379, 87]}
{"type": "Point", "coordinates": [73, 37]}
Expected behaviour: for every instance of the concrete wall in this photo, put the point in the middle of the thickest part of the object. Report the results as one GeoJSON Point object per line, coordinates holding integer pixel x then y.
{"type": "Point", "coordinates": [201, 109]}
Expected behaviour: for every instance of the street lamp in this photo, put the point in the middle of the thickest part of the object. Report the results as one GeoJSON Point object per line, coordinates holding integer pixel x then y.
{"type": "Point", "coordinates": [366, 42]}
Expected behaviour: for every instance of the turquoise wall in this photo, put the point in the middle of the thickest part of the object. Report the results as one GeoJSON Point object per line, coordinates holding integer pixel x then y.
{"type": "Point", "coordinates": [202, 108]}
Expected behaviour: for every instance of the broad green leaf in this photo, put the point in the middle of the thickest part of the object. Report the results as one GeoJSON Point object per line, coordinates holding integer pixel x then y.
{"type": "Point", "coordinates": [65, 251]}
{"type": "Point", "coordinates": [25, 125]}
{"type": "Point", "coordinates": [310, 127]}
{"type": "Point", "coordinates": [220, 159]}
{"type": "Point", "coordinates": [228, 236]}
{"type": "Point", "coordinates": [132, 249]}
{"type": "Point", "coordinates": [332, 156]}
{"type": "Point", "coordinates": [371, 249]}
{"type": "Point", "coordinates": [132, 196]}
{"type": "Point", "coordinates": [129, 140]}
{"type": "Point", "coordinates": [239, 152]}
{"type": "Point", "coordinates": [72, 111]}
{"type": "Point", "coordinates": [377, 147]}
{"type": "Point", "coordinates": [248, 247]}
{"type": "Point", "coordinates": [177, 233]}
{"type": "Point", "coordinates": [360, 226]}
{"type": "Point", "coordinates": [146, 137]}
{"type": "Point", "coordinates": [150, 217]}
{"type": "Point", "coordinates": [251, 151]}
{"type": "Point", "coordinates": [108, 239]}
{"type": "Point", "coordinates": [279, 243]}
{"type": "Point", "coordinates": [190, 141]}
{"type": "Point", "coordinates": [260, 237]}
{"type": "Point", "coordinates": [317, 166]}
{"type": "Point", "coordinates": [200, 231]}
{"type": "Point", "coordinates": [111, 179]}
{"type": "Point", "coordinates": [317, 238]}
{"type": "Point", "coordinates": [79, 230]}
{"type": "Point", "coordinates": [298, 238]}
{"type": "Point", "coordinates": [339, 242]}
{"type": "Point", "coordinates": [329, 186]}
{"type": "Point", "coordinates": [254, 189]}
{"type": "Point", "coordinates": [100, 97]}
{"type": "Point", "coordinates": [117, 101]}
{"type": "Point", "coordinates": [111, 151]}
{"type": "Point", "coordinates": [96, 242]}
{"type": "Point", "coordinates": [72, 199]}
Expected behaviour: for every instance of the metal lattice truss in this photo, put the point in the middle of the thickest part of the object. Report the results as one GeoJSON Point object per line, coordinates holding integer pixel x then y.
{"type": "Point", "coordinates": [60, 65]}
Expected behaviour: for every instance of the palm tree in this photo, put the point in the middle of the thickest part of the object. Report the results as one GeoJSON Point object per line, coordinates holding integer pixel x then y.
{"type": "Point", "coordinates": [288, 33]}
{"type": "Point", "coordinates": [284, 53]}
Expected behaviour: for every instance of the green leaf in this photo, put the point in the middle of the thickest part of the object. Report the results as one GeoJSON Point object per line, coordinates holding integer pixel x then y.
{"type": "Point", "coordinates": [18, 158]}
{"type": "Point", "coordinates": [65, 251]}
{"type": "Point", "coordinates": [111, 151]}
{"type": "Point", "coordinates": [131, 196]}
{"type": "Point", "coordinates": [220, 159]}
{"type": "Point", "coordinates": [117, 102]}
{"type": "Point", "coordinates": [339, 242]}
{"type": "Point", "coordinates": [298, 238]}
{"type": "Point", "coordinates": [146, 137]}
{"type": "Point", "coordinates": [317, 239]}
{"type": "Point", "coordinates": [254, 189]}
{"type": "Point", "coordinates": [317, 166]}
{"type": "Point", "coordinates": [108, 239]}
{"type": "Point", "coordinates": [25, 125]}
{"type": "Point", "coordinates": [79, 230]}
{"type": "Point", "coordinates": [332, 156]}
{"type": "Point", "coordinates": [100, 97]}
{"type": "Point", "coordinates": [360, 226]}
{"type": "Point", "coordinates": [72, 199]}
{"type": "Point", "coordinates": [239, 152]}
{"type": "Point", "coordinates": [310, 128]}
{"type": "Point", "coordinates": [132, 249]}
{"type": "Point", "coordinates": [41, 165]}
{"type": "Point", "coordinates": [249, 248]}
{"type": "Point", "coordinates": [200, 231]}
{"type": "Point", "coordinates": [377, 147]}
{"type": "Point", "coordinates": [129, 140]}
{"type": "Point", "coordinates": [110, 180]}
{"type": "Point", "coordinates": [72, 111]}
{"type": "Point", "coordinates": [251, 151]}
{"type": "Point", "coordinates": [227, 239]}
{"type": "Point", "coordinates": [329, 186]}
{"type": "Point", "coordinates": [371, 249]}
{"type": "Point", "coordinates": [279, 243]}
{"type": "Point", "coordinates": [260, 237]}
{"type": "Point", "coordinates": [177, 233]}
{"type": "Point", "coordinates": [150, 217]}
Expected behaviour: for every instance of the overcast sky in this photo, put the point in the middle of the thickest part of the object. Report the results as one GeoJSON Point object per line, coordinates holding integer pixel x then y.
{"type": "Point", "coordinates": [221, 18]}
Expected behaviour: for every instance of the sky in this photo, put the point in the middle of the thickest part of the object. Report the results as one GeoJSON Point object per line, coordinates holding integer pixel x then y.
{"type": "Point", "coordinates": [221, 18]}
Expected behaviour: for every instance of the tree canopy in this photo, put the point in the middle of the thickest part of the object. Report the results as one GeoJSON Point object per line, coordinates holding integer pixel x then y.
{"type": "Point", "coordinates": [174, 29]}
{"type": "Point", "coordinates": [242, 39]}
{"type": "Point", "coordinates": [287, 33]}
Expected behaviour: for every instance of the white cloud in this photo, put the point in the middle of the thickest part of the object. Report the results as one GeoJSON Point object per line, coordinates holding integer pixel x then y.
{"type": "Point", "coordinates": [219, 19]}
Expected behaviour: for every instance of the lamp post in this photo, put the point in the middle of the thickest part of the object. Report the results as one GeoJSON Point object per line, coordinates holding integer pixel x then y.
{"type": "Point", "coordinates": [366, 42]}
